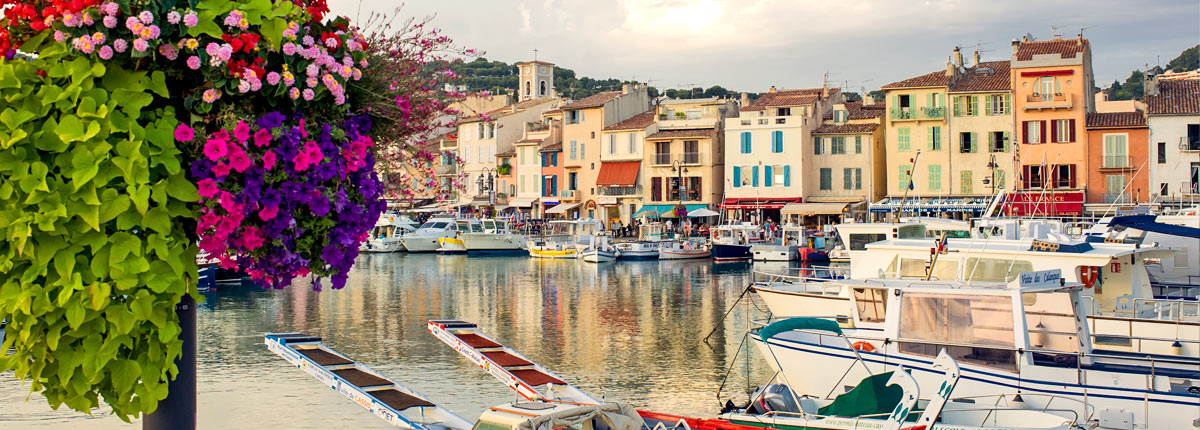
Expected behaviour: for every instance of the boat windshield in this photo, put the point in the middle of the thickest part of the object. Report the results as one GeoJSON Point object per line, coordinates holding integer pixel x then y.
{"type": "Point", "coordinates": [911, 232]}
{"type": "Point", "coordinates": [1051, 321]}
{"type": "Point", "coordinates": [476, 227]}
{"type": "Point", "coordinates": [974, 329]}
{"type": "Point", "coordinates": [434, 225]}
{"type": "Point", "coordinates": [463, 226]}
{"type": "Point", "coordinates": [489, 224]}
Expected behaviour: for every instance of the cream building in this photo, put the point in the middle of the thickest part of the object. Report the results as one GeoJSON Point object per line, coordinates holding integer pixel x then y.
{"type": "Point", "coordinates": [767, 150]}
{"type": "Point", "coordinates": [528, 174]}
{"type": "Point", "coordinates": [685, 156]}
{"type": "Point", "coordinates": [583, 122]}
{"type": "Point", "coordinates": [620, 183]}
{"type": "Point", "coordinates": [848, 170]}
{"type": "Point", "coordinates": [481, 137]}
{"type": "Point", "coordinates": [1173, 108]}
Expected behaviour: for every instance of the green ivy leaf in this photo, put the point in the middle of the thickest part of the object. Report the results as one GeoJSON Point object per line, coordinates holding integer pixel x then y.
{"type": "Point", "coordinates": [14, 119]}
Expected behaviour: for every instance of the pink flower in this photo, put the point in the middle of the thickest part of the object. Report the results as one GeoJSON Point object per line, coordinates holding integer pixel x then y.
{"type": "Point", "coordinates": [211, 95]}
{"type": "Point", "coordinates": [242, 132]}
{"type": "Point", "coordinates": [119, 45]}
{"type": "Point", "coordinates": [190, 20]}
{"type": "Point", "coordinates": [262, 138]}
{"type": "Point", "coordinates": [208, 219]}
{"type": "Point", "coordinates": [169, 51]}
{"type": "Point", "coordinates": [193, 62]}
{"type": "Point", "coordinates": [273, 78]}
{"type": "Point", "coordinates": [215, 148]}
{"type": "Point", "coordinates": [239, 161]}
{"type": "Point", "coordinates": [183, 133]}
{"type": "Point", "coordinates": [250, 238]}
{"type": "Point", "coordinates": [59, 36]}
{"type": "Point", "coordinates": [294, 93]}
{"type": "Point", "coordinates": [106, 52]}
{"type": "Point", "coordinates": [140, 45]}
{"type": "Point", "coordinates": [269, 212]}
{"type": "Point", "coordinates": [173, 17]}
{"type": "Point", "coordinates": [289, 49]}
{"type": "Point", "coordinates": [132, 23]}
{"type": "Point", "coordinates": [110, 8]}
{"type": "Point", "coordinates": [221, 169]}
{"type": "Point", "coordinates": [146, 17]}
{"type": "Point", "coordinates": [208, 189]}
{"type": "Point", "coordinates": [268, 160]}
{"type": "Point", "coordinates": [308, 94]}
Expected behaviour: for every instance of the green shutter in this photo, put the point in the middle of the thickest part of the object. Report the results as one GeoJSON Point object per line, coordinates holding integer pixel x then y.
{"type": "Point", "coordinates": [957, 105]}
{"type": "Point", "coordinates": [1007, 141]}
{"type": "Point", "coordinates": [977, 100]}
{"type": "Point", "coordinates": [767, 176]}
{"type": "Point", "coordinates": [787, 175]}
{"type": "Point", "coordinates": [1007, 104]}
{"type": "Point", "coordinates": [737, 176]}
{"type": "Point", "coordinates": [987, 105]}
{"type": "Point", "coordinates": [929, 100]}
{"type": "Point", "coordinates": [974, 142]}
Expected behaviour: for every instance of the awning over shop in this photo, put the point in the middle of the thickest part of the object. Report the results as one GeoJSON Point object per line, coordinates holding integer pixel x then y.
{"type": "Point", "coordinates": [522, 202]}
{"type": "Point", "coordinates": [933, 204]}
{"type": "Point", "coordinates": [618, 174]}
{"type": "Point", "coordinates": [668, 211]}
{"type": "Point", "coordinates": [804, 209]}
{"type": "Point", "coordinates": [1048, 203]}
{"type": "Point", "coordinates": [562, 208]}
{"type": "Point", "coordinates": [757, 203]}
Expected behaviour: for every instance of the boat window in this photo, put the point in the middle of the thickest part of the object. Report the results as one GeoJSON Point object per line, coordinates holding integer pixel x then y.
{"type": "Point", "coordinates": [995, 269]}
{"type": "Point", "coordinates": [476, 227]}
{"type": "Point", "coordinates": [463, 226]}
{"type": "Point", "coordinates": [489, 224]}
{"type": "Point", "coordinates": [973, 329]}
{"type": "Point", "coordinates": [952, 234]}
{"type": "Point", "coordinates": [911, 232]}
{"type": "Point", "coordinates": [912, 267]}
{"type": "Point", "coordinates": [859, 241]}
{"type": "Point", "coordinates": [872, 304]}
{"type": "Point", "coordinates": [488, 425]}
{"type": "Point", "coordinates": [1051, 321]}
{"type": "Point", "coordinates": [945, 269]}
{"type": "Point", "coordinates": [434, 225]}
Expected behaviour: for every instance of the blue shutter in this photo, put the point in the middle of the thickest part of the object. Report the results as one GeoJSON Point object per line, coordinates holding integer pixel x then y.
{"type": "Point", "coordinates": [767, 176]}
{"type": "Point", "coordinates": [582, 116]}
{"type": "Point", "coordinates": [778, 141]}
{"type": "Point", "coordinates": [737, 176]}
{"type": "Point", "coordinates": [817, 146]}
{"type": "Point", "coordinates": [787, 175]}
{"type": "Point", "coordinates": [754, 180]}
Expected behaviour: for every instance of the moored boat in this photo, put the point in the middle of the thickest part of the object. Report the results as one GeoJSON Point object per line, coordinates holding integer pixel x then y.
{"type": "Point", "coordinates": [684, 250]}
{"type": "Point", "coordinates": [565, 239]}
{"type": "Point", "coordinates": [497, 237]}
{"type": "Point", "coordinates": [385, 236]}
{"type": "Point", "coordinates": [650, 238]}
{"type": "Point", "coordinates": [426, 237]}
{"type": "Point", "coordinates": [732, 242]}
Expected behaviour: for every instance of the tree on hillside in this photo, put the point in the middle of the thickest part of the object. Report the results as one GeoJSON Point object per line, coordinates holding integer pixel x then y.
{"type": "Point", "coordinates": [878, 95]}
{"type": "Point", "coordinates": [851, 96]}
{"type": "Point", "coordinates": [1187, 60]}
{"type": "Point", "coordinates": [716, 91]}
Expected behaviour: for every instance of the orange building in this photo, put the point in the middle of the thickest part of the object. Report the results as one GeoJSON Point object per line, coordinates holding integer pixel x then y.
{"type": "Point", "coordinates": [1053, 91]}
{"type": "Point", "coordinates": [1118, 151]}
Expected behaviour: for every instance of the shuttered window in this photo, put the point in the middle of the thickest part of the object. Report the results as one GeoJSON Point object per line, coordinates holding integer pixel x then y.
{"type": "Point", "coordinates": [826, 179]}
{"type": "Point", "coordinates": [967, 181]}
{"type": "Point", "coordinates": [903, 135]}
{"type": "Point", "coordinates": [935, 177]}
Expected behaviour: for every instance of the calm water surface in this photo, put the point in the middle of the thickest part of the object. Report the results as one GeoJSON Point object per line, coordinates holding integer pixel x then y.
{"type": "Point", "coordinates": [629, 331]}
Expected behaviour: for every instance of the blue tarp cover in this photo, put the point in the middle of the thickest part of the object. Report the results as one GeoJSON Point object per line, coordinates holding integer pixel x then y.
{"type": "Point", "coordinates": [798, 324]}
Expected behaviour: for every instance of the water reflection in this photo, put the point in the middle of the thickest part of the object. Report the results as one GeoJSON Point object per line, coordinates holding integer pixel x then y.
{"type": "Point", "coordinates": [629, 331]}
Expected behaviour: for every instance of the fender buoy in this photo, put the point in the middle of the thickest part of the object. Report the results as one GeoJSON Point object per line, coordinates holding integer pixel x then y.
{"type": "Point", "coordinates": [864, 346]}
{"type": "Point", "coordinates": [1088, 275]}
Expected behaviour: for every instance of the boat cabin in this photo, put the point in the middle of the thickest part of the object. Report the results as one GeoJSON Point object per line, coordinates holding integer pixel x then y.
{"type": "Point", "coordinates": [856, 236]}
{"type": "Point", "coordinates": [735, 234]}
{"type": "Point", "coordinates": [652, 232]}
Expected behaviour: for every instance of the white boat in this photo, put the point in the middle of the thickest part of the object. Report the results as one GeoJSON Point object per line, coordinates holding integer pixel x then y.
{"type": "Point", "coordinates": [792, 247]}
{"type": "Point", "coordinates": [1029, 335]}
{"type": "Point", "coordinates": [385, 236]}
{"type": "Point", "coordinates": [426, 237]}
{"type": "Point", "coordinates": [599, 250]}
{"type": "Point", "coordinates": [1176, 276]}
{"type": "Point", "coordinates": [496, 238]}
{"type": "Point", "coordinates": [684, 250]}
{"type": "Point", "coordinates": [732, 242]}
{"type": "Point", "coordinates": [564, 239]}
{"type": "Point", "coordinates": [650, 237]}
{"type": "Point", "coordinates": [455, 244]}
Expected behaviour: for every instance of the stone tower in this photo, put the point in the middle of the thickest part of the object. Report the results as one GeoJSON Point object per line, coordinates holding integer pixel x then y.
{"type": "Point", "coordinates": [536, 80]}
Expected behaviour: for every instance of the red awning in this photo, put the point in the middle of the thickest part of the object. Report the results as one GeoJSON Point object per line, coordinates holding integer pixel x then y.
{"type": "Point", "coordinates": [754, 203]}
{"type": "Point", "coordinates": [1050, 203]}
{"type": "Point", "coordinates": [618, 174]}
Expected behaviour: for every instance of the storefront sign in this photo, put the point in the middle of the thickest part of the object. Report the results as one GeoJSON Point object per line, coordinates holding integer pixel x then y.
{"type": "Point", "coordinates": [1061, 203]}
{"type": "Point", "coordinates": [608, 201]}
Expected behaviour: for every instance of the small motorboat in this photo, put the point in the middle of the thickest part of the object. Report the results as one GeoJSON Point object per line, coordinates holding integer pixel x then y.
{"type": "Point", "coordinates": [684, 250]}
{"type": "Point", "coordinates": [732, 242]}
{"type": "Point", "coordinates": [650, 238]}
{"type": "Point", "coordinates": [599, 251]}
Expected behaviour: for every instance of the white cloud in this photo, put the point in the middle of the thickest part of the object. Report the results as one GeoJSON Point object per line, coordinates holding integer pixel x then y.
{"type": "Point", "coordinates": [526, 27]}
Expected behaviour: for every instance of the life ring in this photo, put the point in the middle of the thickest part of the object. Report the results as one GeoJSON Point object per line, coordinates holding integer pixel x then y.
{"type": "Point", "coordinates": [1089, 275]}
{"type": "Point", "coordinates": [864, 346]}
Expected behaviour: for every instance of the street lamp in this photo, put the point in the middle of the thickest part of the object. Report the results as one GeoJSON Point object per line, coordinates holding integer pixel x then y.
{"type": "Point", "coordinates": [488, 187]}
{"type": "Point", "coordinates": [677, 168]}
{"type": "Point", "coordinates": [991, 182]}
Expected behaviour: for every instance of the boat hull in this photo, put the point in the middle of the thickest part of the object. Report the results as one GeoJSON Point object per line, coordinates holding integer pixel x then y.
{"type": "Point", "coordinates": [421, 244]}
{"type": "Point", "coordinates": [557, 254]}
{"type": "Point", "coordinates": [486, 243]}
{"type": "Point", "coordinates": [724, 252]}
{"type": "Point", "coordinates": [640, 250]}
{"type": "Point", "coordinates": [594, 256]}
{"type": "Point", "coordinates": [391, 244]}
{"type": "Point", "coordinates": [767, 252]}
{"type": "Point", "coordinates": [451, 245]}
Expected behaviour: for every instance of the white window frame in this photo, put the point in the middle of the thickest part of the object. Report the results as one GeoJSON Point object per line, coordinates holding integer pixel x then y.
{"type": "Point", "coordinates": [1033, 132]}
{"type": "Point", "coordinates": [1063, 128]}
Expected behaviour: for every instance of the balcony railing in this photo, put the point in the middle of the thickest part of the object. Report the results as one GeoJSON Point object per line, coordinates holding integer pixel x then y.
{"type": "Point", "coordinates": [1189, 143]}
{"type": "Point", "coordinates": [1039, 101]}
{"type": "Point", "coordinates": [620, 191]}
{"type": "Point", "coordinates": [913, 113]}
{"type": "Point", "coordinates": [1115, 161]}
{"type": "Point", "coordinates": [1118, 198]}
{"type": "Point", "coordinates": [662, 159]}
{"type": "Point", "coordinates": [1189, 187]}
{"type": "Point", "coordinates": [567, 194]}
{"type": "Point", "coordinates": [691, 158]}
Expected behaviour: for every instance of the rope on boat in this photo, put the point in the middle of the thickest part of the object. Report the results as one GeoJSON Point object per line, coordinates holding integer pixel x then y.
{"type": "Point", "coordinates": [727, 312]}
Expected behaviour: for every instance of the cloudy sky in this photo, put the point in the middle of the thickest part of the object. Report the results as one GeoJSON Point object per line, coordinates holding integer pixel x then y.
{"type": "Point", "coordinates": [749, 45]}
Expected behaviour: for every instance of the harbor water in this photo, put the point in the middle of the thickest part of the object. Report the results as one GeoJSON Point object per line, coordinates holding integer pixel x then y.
{"type": "Point", "coordinates": [627, 331]}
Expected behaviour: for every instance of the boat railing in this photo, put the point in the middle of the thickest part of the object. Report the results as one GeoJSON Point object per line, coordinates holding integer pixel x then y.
{"type": "Point", "coordinates": [1001, 402]}
{"type": "Point", "coordinates": [1167, 309]}
{"type": "Point", "coordinates": [808, 284]}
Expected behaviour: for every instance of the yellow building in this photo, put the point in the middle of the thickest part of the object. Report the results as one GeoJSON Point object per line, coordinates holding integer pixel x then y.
{"type": "Point", "coordinates": [848, 165]}
{"type": "Point", "coordinates": [620, 183]}
{"type": "Point", "coordinates": [583, 121]}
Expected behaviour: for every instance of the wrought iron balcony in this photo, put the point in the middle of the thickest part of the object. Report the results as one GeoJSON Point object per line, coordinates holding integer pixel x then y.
{"type": "Point", "coordinates": [635, 190]}
{"type": "Point", "coordinates": [1115, 162]}
{"type": "Point", "coordinates": [916, 114]}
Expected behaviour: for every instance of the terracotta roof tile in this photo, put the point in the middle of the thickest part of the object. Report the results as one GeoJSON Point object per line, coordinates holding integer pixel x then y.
{"type": "Point", "coordinates": [976, 80]}
{"type": "Point", "coordinates": [1065, 48]}
{"type": "Point", "coordinates": [594, 100]}
{"type": "Point", "coordinates": [677, 134]}
{"type": "Point", "coordinates": [1180, 97]}
{"type": "Point", "coordinates": [787, 98]}
{"type": "Point", "coordinates": [551, 147]}
{"type": "Point", "coordinates": [529, 141]}
{"type": "Point", "coordinates": [636, 122]}
{"type": "Point", "coordinates": [935, 79]}
{"type": "Point", "coordinates": [506, 154]}
{"type": "Point", "coordinates": [846, 129]}
{"type": "Point", "coordinates": [1116, 120]}
{"type": "Point", "coordinates": [868, 112]}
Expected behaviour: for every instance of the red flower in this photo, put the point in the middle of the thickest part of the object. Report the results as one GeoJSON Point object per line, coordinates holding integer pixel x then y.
{"type": "Point", "coordinates": [331, 35]}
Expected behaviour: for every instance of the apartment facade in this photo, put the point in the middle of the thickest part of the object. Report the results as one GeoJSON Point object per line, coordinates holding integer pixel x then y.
{"type": "Point", "coordinates": [918, 153]}
{"type": "Point", "coordinates": [767, 149]}
{"type": "Point", "coordinates": [550, 157]}
{"type": "Point", "coordinates": [849, 163]}
{"type": "Point", "coordinates": [1173, 109]}
{"type": "Point", "coordinates": [583, 122]}
{"type": "Point", "coordinates": [1118, 152]}
{"type": "Point", "coordinates": [620, 183]}
{"type": "Point", "coordinates": [1053, 91]}
{"type": "Point", "coordinates": [980, 125]}
{"type": "Point", "coordinates": [528, 175]}
{"type": "Point", "coordinates": [483, 136]}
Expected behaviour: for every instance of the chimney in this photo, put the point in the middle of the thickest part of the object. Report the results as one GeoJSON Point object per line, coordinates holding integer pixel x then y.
{"type": "Point", "coordinates": [1015, 45]}
{"type": "Point", "coordinates": [950, 66]}
{"type": "Point", "coordinates": [1150, 84]}
{"type": "Point", "coordinates": [958, 58]}
{"type": "Point", "coordinates": [745, 99]}
{"type": "Point", "coordinates": [771, 90]}
{"type": "Point", "coordinates": [1024, 38]}
{"type": "Point", "coordinates": [976, 58]}
{"type": "Point", "coordinates": [825, 89]}
{"type": "Point", "coordinates": [868, 100]}
{"type": "Point", "coordinates": [625, 88]}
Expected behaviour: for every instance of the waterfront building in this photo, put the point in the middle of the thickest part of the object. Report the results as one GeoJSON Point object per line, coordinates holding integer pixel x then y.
{"type": "Point", "coordinates": [980, 160]}
{"type": "Point", "coordinates": [848, 157]}
{"type": "Point", "coordinates": [1053, 91]}
{"type": "Point", "coordinates": [768, 151]}
{"type": "Point", "coordinates": [550, 155]}
{"type": "Point", "coordinates": [918, 153]}
{"type": "Point", "coordinates": [583, 122]}
{"type": "Point", "coordinates": [685, 155]}
{"type": "Point", "coordinates": [620, 182]}
{"type": "Point", "coordinates": [481, 137]}
{"type": "Point", "coordinates": [528, 175]}
{"type": "Point", "coordinates": [1118, 154]}
{"type": "Point", "coordinates": [505, 182]}
{"type": "Point", "coordinates": [1173, 107]}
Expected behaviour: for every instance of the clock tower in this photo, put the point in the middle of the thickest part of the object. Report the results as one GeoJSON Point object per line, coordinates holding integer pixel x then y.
{"type": "Point", "coordinates": [536, 80]}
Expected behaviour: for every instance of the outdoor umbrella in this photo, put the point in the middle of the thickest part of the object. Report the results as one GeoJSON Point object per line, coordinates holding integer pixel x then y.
{"type": "Point", "coordinates": [702, 213]}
